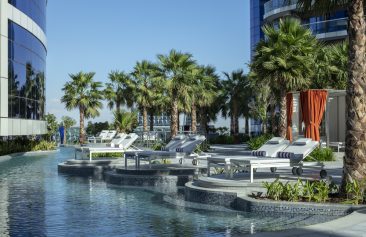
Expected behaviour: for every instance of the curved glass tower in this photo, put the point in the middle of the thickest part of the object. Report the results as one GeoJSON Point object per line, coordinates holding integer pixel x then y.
{"type": "Point", "coordinates": [329, 28]}
{"type": "Point", "coordinates": [22, 67]}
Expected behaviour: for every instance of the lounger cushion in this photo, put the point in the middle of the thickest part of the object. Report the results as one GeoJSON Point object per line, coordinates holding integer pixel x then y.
{"type": "Point", "coordinates": [284, 154]}
{"type": "Point", "coordinates": [276, 140]}
{"type": "Point", "coordinates": [259, 153]}
{"type": "Point", "coordinates": [179, 150]}
{"type": "Point", "coordinates": [179, 137]}
{"type": "Point", "coordinates": [302, 141]}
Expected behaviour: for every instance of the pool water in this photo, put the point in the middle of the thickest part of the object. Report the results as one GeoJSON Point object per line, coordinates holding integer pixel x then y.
{"type": "Point", "coordinates": [35, 200]}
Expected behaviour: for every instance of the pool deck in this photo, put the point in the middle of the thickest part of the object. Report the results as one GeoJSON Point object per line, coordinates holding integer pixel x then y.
{"type": "Point", "coordinates": [347, 226]}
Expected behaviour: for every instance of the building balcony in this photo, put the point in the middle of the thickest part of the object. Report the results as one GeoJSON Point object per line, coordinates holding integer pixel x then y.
{"type": "Point", "coordinates": [274, 9]}
{"type": "Point", "coordinates": [329, 30]}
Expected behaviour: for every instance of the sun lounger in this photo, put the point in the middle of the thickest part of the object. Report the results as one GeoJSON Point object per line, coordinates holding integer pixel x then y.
{"type": "Point", "coordinates": [269, 149]}
{"type": "Point", "coordinates": [178, 148]}
{"type": "Point", "coordinates": [125, 145]}
{"type": "Point", "coordinates": [103, 134]}
{"type": "Point", "coordinates": [292, 156]}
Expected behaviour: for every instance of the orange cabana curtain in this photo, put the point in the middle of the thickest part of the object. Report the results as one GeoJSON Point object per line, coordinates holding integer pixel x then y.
{"type": "Point", "coordinates": [289, 112]}
{"type": "Point", "coordinates": [313, 106]}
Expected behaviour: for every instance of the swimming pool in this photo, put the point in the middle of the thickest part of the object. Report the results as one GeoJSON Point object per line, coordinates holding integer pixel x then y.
{"type": "Point", "coordinates": [37, 201]}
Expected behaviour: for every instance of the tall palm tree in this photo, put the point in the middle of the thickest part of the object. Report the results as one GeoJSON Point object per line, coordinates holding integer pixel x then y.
{"type": "Point", "coordinates": [85, 94]}
{"type": "Point", "coordinates": [143, 73]}
{"type": "Point", "coordinates": [204, 91]}
{"type": "Point", "coordinates": [119, 90]}
{"type": "Point", "coordinates": [235, 87]}
{"type": "Point", "coordinates": [68, 122]}
{"type": "Point", "coordinates": [355, 158]}
{"type": "Point", "coordinates": [177, 67]}
{"type": "Point", "coordinates": [285, 60]}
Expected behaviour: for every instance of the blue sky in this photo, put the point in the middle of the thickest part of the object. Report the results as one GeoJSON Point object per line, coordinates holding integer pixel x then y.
{"type": "Point", "coordinates": [105, 35]}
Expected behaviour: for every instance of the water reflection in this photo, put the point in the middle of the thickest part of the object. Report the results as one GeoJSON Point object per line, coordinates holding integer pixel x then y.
{"type": "Point", "coordinates": [37, 201]}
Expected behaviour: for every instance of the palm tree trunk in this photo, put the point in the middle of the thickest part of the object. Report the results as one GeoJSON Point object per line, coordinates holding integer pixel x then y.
{"type": "Point", "coordinates": [282, 122]}
{"type": "Point", "coordinates": [264, 126]}
{"type": "Point", "coordinates": [247, 126]}
{"type": "Point", "coordinates": [232, 125]}
{"type": "Point", "coordinates": [174, 118]}
{"type": "Point", "coordinates": [144, 118]}
{"type": "Point", "coordinates": [273, 119]}
{"type": "Point", "coordinates": [203, 122]}
{"type": "Point", "coordinates": [81, 131]}
{"type": "Point", "coordinates": [355, 158]}
{"type": "Point", "coordinates": [151, 121]}
{"type": "Point", "coordinates": [118, 105]}
{"type": "Point", "coordinates": [194, 118]}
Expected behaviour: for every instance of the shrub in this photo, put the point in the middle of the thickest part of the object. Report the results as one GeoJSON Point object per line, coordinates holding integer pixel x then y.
{"type": "Point", "coordinates": [158, 146]}
{"type": "Point", "coordinates": [23, 144]}
{"type": "Point", "coordinates": [308, 190]}
{"type": "Point", "coordinates": [356, 191]}
{"type": "Point", "coordinates": [44, 146]}
{"type": "Point", "coordinates": [274, 189]}
{"type": "Point", "coordinates": [257, 142]}
{"type": "Point", "coordinates": [321, 154]}
{"type": "Point", "coordinates": [321, 191]}
{"type": "Point", "coordinates": [226, 139]}
{"type": "Point", "coordinates": [108, 155]}
{"type": "Point", "coordinates": [292, 193]}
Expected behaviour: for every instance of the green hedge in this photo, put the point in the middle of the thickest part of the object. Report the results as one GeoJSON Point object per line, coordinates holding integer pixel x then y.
{"type": "Point", "coordinates": [21, 144]}
{"type": "Point", "coordinates": [226, 139]}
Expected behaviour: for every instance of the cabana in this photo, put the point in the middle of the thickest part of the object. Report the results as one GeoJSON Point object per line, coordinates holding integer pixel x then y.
{"type": "Point", "coordinates": [317, 114]}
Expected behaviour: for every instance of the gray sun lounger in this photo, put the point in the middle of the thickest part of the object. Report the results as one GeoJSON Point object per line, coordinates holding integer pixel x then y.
{"type": "Point", "coordinates": [269, 149]}
{"type": "Point", "coordinates": [292, 156]}
{"type": "Point", "coordinates": [182, 150]}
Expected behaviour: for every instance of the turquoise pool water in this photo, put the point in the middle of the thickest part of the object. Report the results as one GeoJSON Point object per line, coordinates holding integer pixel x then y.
{"type": "Point", "coordinates": [37, 201]}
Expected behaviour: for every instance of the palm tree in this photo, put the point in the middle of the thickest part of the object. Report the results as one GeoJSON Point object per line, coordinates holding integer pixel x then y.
{"type": "Point", "coordinates": [285, 60]}
{"type": "Point", "coordinates": [83, 93]}
{"type": "Point", "coordinates": [331, 67]}
{"type": "Point", "coordinates": [204, 91]}
{"type": "Point", "coordinates": [119, 90]}
{"type": "Point", "coordinates": [144, 72]}
{"type": "Point", "coordinates": [177, 67]}
{"type": "Point", "coordinates": [235, 87]}
{"type": "Point", "coordinates": [68, 122]}
{"type": "Point", "coordinates": [125, 122]}
{"type": "Point", "coordinates": [355, 158]}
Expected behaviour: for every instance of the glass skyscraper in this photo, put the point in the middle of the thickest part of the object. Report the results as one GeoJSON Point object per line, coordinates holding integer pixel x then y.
{"type": "Point", "coordinates": [332, 27]}
{"type": "Point", "coordinates": [23, 52]}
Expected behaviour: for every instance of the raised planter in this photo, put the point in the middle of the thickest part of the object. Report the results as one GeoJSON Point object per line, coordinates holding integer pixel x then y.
{"type": "Point", "coordinates": [232, 200]}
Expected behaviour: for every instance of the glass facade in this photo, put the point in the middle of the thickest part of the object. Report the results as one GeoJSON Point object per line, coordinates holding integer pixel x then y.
{"type": "Point", "coordinates": [331, 23]}
{"type": "Point", "coordinates": [35, 9]}
{"type": "Point", "coordinates": [27, 64]}
{"type": "Point", "coordinates": [258, 8]}
{"type": "Point", "coordinates": [256, 22]}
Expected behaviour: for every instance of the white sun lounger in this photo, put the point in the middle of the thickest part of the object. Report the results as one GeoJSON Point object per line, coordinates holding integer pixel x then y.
{"type": "Point", "coordinates": [125, 145]}
{"type": "Point", "coordinates": [182, 150]}
{"type": "Point", "coordinates": [292, 156]}
{"type": "Point", "coordinates": [103, 134]}
{"type": "Point", "coordinates": [269, 149]}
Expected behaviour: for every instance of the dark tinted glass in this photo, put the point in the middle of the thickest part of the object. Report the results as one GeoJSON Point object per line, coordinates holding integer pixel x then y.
{"type": "Point", "coordinates": [27, 57]}
{"type": "Point", "coordinates": [35, 9]}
